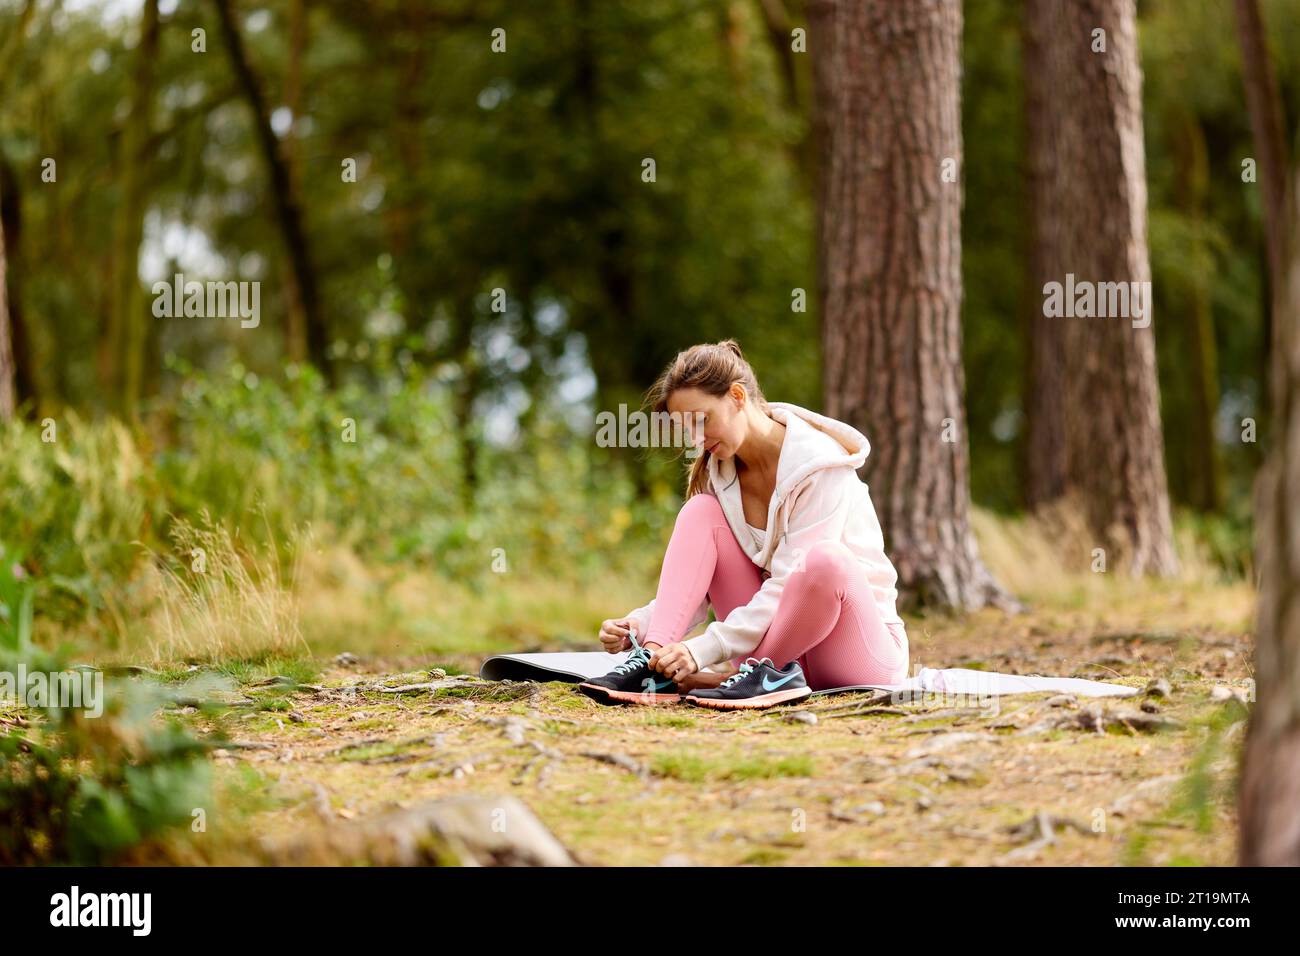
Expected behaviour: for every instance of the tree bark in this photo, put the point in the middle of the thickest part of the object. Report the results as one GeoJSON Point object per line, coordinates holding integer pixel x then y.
{"type": "Point", "coordinates": [1090, 218]}
{"type": "Point", "coordinates": [25, 380]}
{"type": "Point", "coordinates": [779, 26]}
{"type": "Point", "coordinates": [1044, 455]}
{"type": "Point", "coordinates": [1269, 793]}
{"type": "Point", "coordinates": [126, 330]}
{"type": "Point", "coordinates": [887, 78]}
{"type": "Point", "coordinates": [8, 392]}
{"type": "Point", "coordinates": [296, 328]}
{"type": "Point", "coordinates": [1204, 484]}
{"type": "Point", "coordinates": [289, 216]}
{"type": "Point", "coordinates": [1264, 104]}
{"type": "Point", "coordinates": [1269, 801]}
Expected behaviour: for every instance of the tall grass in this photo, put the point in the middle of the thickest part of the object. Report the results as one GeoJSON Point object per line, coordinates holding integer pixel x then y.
{"type": "Point", "coordinates": [218, 600]}
{"type": "Point", "coordinates": [105, 520]}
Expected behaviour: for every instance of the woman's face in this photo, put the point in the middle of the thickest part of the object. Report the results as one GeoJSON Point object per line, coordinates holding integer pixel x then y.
{"type": "Point", "coordinates": [716, 423]}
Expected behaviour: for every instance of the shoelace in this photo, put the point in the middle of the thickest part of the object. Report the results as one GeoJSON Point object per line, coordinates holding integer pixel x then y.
{"type": "Point", "coordinates": [745, 669]}
{"type": "Point", "coordinates": [637, 658]}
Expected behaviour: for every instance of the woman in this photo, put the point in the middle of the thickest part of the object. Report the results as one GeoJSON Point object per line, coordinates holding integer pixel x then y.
{"type": "Point", "coordinates": [778, 534]}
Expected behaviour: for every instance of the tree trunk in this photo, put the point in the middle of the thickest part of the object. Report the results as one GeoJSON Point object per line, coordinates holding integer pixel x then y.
{"type": "Point", "coordinates": [289, 217]}
{"type": "Point", "coordinates": [11, 220]}
{"type": "Point", "coordinates": [126, 330]}
{"type": "Point", "coordinates": [887, 77]}
{"type": "Point", "coordinates": [778, 26]}
{"type": "Point", "coordinates": [467, 389]}
{"type": "Point", "coordinates": [1269, 801]}
{"type": "Point", "coordinates": [1268, 129]}
{"type": "Point", "coordinates": [1204, 485]}
{"type": "Point", "coordinates": [8, 392]}
{"type": "Point", "coordinates": [296, 328]}
{"type": "Point", "coordinates": [1093, 217]}
{"type": "Point", "coordinates": [1044, 453]}
{"type": "Point", "coordinates": [1269, 793]}
{"type": "Point", "coordinates": [1265, 107]}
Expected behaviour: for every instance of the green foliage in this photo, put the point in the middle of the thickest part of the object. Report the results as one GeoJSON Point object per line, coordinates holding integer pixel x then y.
{"type": "Point", "coordinates": [77, 504]}
{"type": "Point", "coordinates": [248, 464]}
{"type": "Point", "coordinates": [85, 789]}
{"type": "Point", "coordinates": [17, 600]}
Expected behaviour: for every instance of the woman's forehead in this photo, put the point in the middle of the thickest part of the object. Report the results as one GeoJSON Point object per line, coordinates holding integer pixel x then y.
{"type": "Point", "coordinates": [687, 400]}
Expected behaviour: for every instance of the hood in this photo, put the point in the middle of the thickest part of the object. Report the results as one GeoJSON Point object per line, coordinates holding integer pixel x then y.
{"type": "Point", "coordinates": [812, 442]}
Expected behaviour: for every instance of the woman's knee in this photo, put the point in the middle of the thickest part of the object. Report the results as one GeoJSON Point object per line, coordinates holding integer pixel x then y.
{"type": "Point", "coordinates": [703, 508]}
{"type": "Point", "coordinates": [825, 569]}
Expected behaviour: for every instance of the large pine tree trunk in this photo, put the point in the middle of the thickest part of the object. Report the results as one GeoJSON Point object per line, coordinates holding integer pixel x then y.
{"type": "Point", "coordinates": [887, 75]}
{"type": "Point", "coordinates": [1091, 217]}
{"type": "Point", "coordinates": [1269, 793]}
{"type": "Point", "coordinates": [1269, 802]}
{"type": "Point", "coordinates": [1044, 456]}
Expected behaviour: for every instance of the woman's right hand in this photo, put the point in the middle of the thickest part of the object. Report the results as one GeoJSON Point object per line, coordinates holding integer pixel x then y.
{"type": "Point", "coordinates": [615, 634]}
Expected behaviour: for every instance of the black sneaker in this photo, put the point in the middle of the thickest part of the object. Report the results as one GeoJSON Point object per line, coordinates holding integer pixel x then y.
{"type": "Point", "coordinates": [633, 682]}
{"type": "Point", "coordinates": [758, 683]}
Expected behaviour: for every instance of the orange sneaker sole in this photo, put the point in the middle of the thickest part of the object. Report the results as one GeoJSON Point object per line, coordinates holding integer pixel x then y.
{"type": "Point", "coordinates": [751, 703]}
{"type": "Point", "coordinates": [629, 696]}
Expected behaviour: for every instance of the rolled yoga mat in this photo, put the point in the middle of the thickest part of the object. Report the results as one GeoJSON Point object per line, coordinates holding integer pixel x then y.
{"type": "Point", "coordinates": [574, 666]}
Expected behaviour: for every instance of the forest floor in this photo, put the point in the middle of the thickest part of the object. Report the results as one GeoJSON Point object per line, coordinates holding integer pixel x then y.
{"type": "Point", "coordinates": [1026, 779]}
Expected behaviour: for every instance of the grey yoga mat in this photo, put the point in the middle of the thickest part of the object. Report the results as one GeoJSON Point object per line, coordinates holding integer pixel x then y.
{"type": "Point", "coordinates": [574, 666]}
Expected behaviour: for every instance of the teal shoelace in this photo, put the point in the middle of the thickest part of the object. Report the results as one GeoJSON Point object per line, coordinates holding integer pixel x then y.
{"type": "Point", "coordinates": [637, 658]}
{"type": "Point", "coordinates": [745, 669]}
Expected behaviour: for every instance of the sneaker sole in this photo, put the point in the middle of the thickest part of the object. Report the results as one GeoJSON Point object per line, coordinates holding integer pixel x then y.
{"type": "Point", "coordinates": [607, 696]}
{"type": "Point", "coordinates": [751, 703]}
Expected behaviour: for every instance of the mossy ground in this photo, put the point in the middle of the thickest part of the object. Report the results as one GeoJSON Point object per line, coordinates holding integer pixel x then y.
{"type": "Point", "coordinates": [934, 784]}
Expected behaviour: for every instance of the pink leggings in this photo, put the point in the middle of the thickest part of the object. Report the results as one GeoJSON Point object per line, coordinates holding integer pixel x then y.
{"type": "Point", "coordinates": [826, 618]}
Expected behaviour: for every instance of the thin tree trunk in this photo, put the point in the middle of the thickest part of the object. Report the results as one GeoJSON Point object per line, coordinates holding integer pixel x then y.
{"type": "Point", "coordinates": [1204, 484]}
{"type": "Point", "coordinates": [1114, 447]}
{"type": "Point", "coordinates": [11, 219]}
{"type": "Point", "coordinates": [126, 330]}
{"type": "Point", "coordinates": [779, 27]}
{"type": "Point", "coordinates": [467, 390]}
{"type": "Point", "coordinates": [296, 330]}
{"type": "Point", "coordinates": [289, 216]}
{"type": "Point", "coordinates": [416, 276]}
{"type": "Point", "coordinates": [1264, 104]}
{"type": "Point", "coordinates": [8, 392]}
{"type": "Point", "coordinates": [887, 75]}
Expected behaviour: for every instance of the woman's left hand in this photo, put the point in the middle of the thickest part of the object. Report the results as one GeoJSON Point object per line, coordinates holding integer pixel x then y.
{"type": "Point", "coordinates": [674, 661]}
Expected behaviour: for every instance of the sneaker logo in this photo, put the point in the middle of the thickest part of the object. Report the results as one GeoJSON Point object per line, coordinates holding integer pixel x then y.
{"type": "Point", "coordinates": [773, 685]}
{"type": "Point", "coordinates": [653, 685]}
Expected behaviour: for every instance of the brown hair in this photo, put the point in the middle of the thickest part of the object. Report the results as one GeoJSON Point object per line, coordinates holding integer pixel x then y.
{"type": "Point", "coordinates": [712, 368]}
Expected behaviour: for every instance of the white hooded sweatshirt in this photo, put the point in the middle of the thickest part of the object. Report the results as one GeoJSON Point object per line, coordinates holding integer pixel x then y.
{"type": "Point", "coordinates": [818, 497]}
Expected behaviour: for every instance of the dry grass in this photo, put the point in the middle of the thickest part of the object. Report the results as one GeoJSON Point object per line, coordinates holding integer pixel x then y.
{"type": "Point", "coordinates": [218, 599]}
{"type": "Point", "coordinates": [1049, 558]}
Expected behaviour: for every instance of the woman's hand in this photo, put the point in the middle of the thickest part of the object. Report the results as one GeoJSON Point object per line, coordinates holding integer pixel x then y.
{"type": "Point", "coordinates": [674, 661]}
{"type": "Point", "coordinates": [615, 634]}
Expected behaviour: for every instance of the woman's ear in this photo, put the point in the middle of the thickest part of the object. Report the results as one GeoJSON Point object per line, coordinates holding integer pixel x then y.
{"type": "Point", "coordinates": [738, 395]}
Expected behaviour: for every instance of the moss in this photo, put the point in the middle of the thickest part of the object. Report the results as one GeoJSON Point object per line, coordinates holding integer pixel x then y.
{"type": "Point", "coordinates": [695, 769]}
